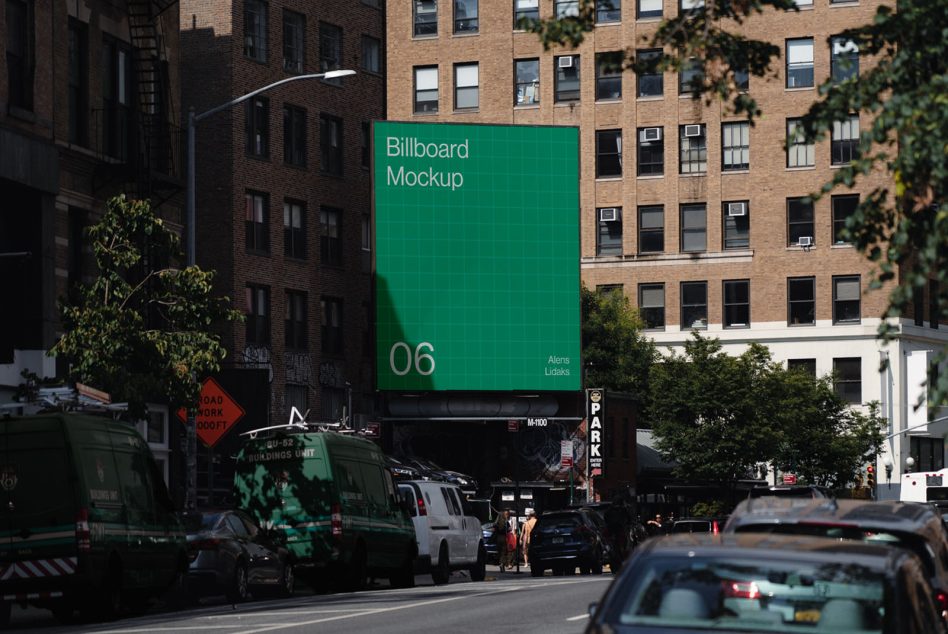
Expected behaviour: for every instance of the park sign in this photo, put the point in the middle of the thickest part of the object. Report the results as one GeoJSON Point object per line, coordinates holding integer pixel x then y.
{"type": "Point", "coordinates": [476, 257]}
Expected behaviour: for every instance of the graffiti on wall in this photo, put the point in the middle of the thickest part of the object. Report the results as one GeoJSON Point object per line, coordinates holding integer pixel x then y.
{"type": "Point", "coordinates": [299, 368]}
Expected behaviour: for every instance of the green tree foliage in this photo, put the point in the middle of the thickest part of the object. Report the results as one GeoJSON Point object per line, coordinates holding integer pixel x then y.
{"type": "Point", "coordinates": [903, 90]}
{"type": "Point", "coordinates": [718, 416]}
{"type": "Point", "coordinates": [142, 330]}
{"type": "Point", "coordinates": [617, 355]}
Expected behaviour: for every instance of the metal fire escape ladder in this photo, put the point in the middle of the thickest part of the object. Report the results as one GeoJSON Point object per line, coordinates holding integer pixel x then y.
{"type": "Point", "coordinates": [155, 111]}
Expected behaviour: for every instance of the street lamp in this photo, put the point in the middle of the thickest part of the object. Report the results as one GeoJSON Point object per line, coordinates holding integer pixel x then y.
{"type": "Point", "coordinates": [887, 463]}
{"type": "Point", "coordinates": [909, 463]}
{"type": "Point", "coordinates": [191, 453]}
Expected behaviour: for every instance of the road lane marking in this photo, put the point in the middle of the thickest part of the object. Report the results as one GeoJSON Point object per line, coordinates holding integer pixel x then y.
{"type": "Point", "coordinates": [578, 618]}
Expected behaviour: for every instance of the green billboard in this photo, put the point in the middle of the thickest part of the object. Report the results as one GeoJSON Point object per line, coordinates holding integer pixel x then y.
{"type": "Point", "coordinates": [476, 257]}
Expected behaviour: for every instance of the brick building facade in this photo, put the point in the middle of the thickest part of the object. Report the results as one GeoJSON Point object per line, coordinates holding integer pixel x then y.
{"type": "Point", "coordinates": [699, 218]}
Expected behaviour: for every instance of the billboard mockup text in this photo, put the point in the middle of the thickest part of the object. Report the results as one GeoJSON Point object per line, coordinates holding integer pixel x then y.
{"type": "Point", "coordinates": [476, 257]}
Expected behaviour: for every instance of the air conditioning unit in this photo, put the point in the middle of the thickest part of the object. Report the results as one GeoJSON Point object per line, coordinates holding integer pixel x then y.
{"type": "Point", "coordinates": [566, 61]}
{"type": "Point", "coordinates": [650, 134]}
{"type": "Point", "coordinates": [736, 209]}
{"type": "Point", "coordinates": [692, 130]}
{"type": "Point", "coordinates": [608, 214]}
{"type": "Point", "coordinates": [805, 241]}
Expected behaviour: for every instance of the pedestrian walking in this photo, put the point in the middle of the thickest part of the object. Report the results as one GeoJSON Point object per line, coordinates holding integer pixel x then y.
{"type": "Point", "coordinates": [501, 530]}
{"type": "Point", "coordinates": [525, 535]}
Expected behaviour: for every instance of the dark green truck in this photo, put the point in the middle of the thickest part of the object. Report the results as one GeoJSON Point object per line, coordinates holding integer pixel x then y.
{"type": "Point", "coordinates": [329, 497]}
{"type": "Point", "coordinates": [86, 522]}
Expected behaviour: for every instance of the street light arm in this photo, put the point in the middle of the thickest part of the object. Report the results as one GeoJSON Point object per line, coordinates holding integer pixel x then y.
{"type": "Point", "coordinates": [925, 424]}
{"type": "Point", "coordinates": [333, 74]}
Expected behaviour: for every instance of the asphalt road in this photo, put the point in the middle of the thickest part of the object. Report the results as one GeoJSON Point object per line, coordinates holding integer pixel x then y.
{"type": "Point", "coordinates": [505, 601]}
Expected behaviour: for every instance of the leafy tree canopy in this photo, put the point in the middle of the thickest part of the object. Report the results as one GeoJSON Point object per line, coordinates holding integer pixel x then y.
{"type": "Point", "coordinates": [142, 331]}
{"type": "Point", "coordinates": [902, 90]}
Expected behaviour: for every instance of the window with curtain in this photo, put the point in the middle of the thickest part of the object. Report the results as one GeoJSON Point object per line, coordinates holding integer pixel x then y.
{"type": "Point", "coordinates": [800, 63]}
{"type": "Point", "coordinates": [800, 152]}
{"type": "Point", "coordinates": [651, 229]}
{"type": "Point", "coordinates": [844, 144]}
{"type": "Point", "coordinates": [652, 305]}
{"type": "Point", "coordinates": [426, 89]}
{"type": "Point", "coordinates": [844, 59]}
{"type": "Point", "coordinates": [694, 228]}
{"type": "Point", "coordinates": [466, 90]}
{"type": "Point", "coordinates": [846, 294]}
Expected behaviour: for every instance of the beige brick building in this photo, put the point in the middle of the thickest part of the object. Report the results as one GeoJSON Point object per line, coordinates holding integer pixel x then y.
{"type": "Point", "coordinates": [700, 219]}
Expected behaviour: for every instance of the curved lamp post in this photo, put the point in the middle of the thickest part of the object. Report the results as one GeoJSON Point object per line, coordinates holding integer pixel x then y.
{"type": "Point", "coordinates": [191, 488]}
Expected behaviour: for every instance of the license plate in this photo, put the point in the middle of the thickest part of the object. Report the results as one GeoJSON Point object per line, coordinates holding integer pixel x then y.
{"type": "Point", "coordinates": [806, 616]}
{"type": "Point", "coordinates": [557, 540]}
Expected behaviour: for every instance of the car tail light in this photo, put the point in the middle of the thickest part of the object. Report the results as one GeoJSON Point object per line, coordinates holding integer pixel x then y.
{"type": "Point", "coordinates": [941, 598]}
{"type": "Point", "coordinates": [740, 589]}
{"type": "Point", "coordinates": [715, 529]}
{"type": "Point", "coordinates": [336, 520]}
{"type": "Point", "coordinates": [83, 536]}
{"type": "Point", "coordinates": [422, 509]}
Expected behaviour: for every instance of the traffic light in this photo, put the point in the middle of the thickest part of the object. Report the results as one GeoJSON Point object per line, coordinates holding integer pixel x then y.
{"type": "Point", "coordinates": [871, 477]}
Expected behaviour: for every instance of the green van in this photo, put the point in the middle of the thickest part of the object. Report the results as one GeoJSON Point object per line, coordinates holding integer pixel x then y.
{"type": "Point", "coordinates": [85, 519]}
{"type": "Point", "coordinates": [330, 499]}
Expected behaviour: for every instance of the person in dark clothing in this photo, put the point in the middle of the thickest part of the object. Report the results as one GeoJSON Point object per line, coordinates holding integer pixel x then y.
{"type": "Point", "coordinates": [501, 528]}
{"type": "Point", "coordinates": [618, 519]}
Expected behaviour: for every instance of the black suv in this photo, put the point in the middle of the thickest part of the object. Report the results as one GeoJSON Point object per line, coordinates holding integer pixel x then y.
{"type": "Point", "coordinates": [563, 540]}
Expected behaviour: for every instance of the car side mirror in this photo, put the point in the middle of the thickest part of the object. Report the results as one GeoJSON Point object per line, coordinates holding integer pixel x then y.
{"type": "Point", "coordinates": [592, 608]}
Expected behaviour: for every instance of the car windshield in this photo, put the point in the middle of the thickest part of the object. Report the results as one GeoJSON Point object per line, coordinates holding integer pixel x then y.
{"type": "Point", "coordinates": [557, 522]}
{"type": "Point", "coordinates": [196, 522]}
{"type": "Point", "coordinates": [692, 526]}
{"type": "Point", "coordinates": [753, 595]}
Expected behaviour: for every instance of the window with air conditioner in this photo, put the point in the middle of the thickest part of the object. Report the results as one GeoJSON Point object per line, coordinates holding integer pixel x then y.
{"type": "Point", "coordinates": [650, 134]}
{"type": "Point", "coordinates": [609, 234]}
{"type": "Point", "coordinates": [608, 214]}
{"type": "Point", "coordinates": [693, 150]}
{"type": "Point", "coordinates": [650, 152]}
{"type": "Point", "coordinates": [736, 225]}
{"type": "Point", "coordinates": [566, 80]}
{"type": "Point", "coordinates": [736, 209]}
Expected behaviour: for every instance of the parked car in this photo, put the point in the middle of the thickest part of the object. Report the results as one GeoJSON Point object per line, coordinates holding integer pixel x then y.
{"type": "Point", "coordinates": [697, 525]}
{"type": "Point", "coordinates": [449, 535]}
{"type": "Point", "coordinates": [767, 583]}
{"type": "Point", "coordinates": [77, 494]}
{"type": "Point", "coordinates": [431, 471]}
{"type": "Point", "coordinates": [914, 527]}
{"type": "Point", "coordinates": [332, 501]}
{"type": "Point", "coordinates": [230, 555]}
{"type": "Point", "coordinates": [490, 544]}
{"type": "Point", "coordinates": [564, 540]}
{"type": "Point", "coordinates": [401, 470]}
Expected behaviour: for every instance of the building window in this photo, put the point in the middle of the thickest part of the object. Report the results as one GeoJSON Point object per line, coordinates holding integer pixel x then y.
{"type": "Point", "coordinates": [527, 82]}
{"type": "Point", "coordinates": [294, 41]}
{"type": "Point", "coordinates": [844, 62]}
{"type": "Point", "coordinates": [366, 243]}
{"type": "Point", "coordinates": [116, 98]}
{"type": "Point", "coordinates": [257, 314]}
{"type": "Point", "coordinates": [694, 228]}
{"type": "Point", "coordinates": [331, 330]}
{"type": "Point", "coordinates": [425, 18]}
{"type": "Point", "coordinates": [294, 229]}
{"type": "Point", "coordinates": [800, 63]}
{"type": "Point", "coordinates": [844, 147]}
{"type": "Point", "coordinates": [371, 54]}
{"type": "Point", "coordinates": [426, 89]}
{"type": "Point", "coordinates": [735, 146]}
{"type": "Point", "coordinates": [609, 75]}
{"type": "Point", "coordinates": [649, 84]}
{"type": "Point", "coordinates": [843, 208]}
{"type": "Point", "coordinates": [918, 305]}
{"type": "Point", "coordinates": [257, 222]}
{"type": "Point", "coordinates": [650, 152]}
{"type": "Point", "coordinates": [651, 229]}
{"type": "Point", "coordinates": [330, 236]}
{"type": "Point", "coordinates": [694, 305]}
{"type": "Point", "coordinates": [690, 77]}
{"type": "Point", "coordinates": [608, 11]}
{"type": "Point", "coordinates": [330, 144]}
{"type": "Point", "coordinates": [525, 10]}
{"type": "Point", "coordinates": [694, 149]}
{"type": "Point", "coordinates": [330, 49]}
{"type": "Point", "coordinates": [736, 224]}
{"type": "Point", "coordinates": [742, 79]}
{"type": "Point", "coordinates": [608, 153]}
{"type": "Point", "coordinates": [800, 222]}
{"type": "Point", "coordinates": [736, 303]}
{"type": "Point", "coordinates": [605, 289]}
{"type": "Point", "coordinates": [929, 453]}
{"type": "Point", "coordinates": [365, 158]}
{"type": "Point", "coordinates": [609, 236]}
{"type": "Point", "coordinates": [649, 9]}
{"type": "Point", "coordinates": [20, 48]}
{"type": "Point", "coordinates": [257, 126]}
{"type": "Point", "coordinates": [566, 8]}
{"type": "Point", "coordinates": [846, 299]}
{"type": "Point", "coordinates": [566, 84]}
{"type": "Point", "coordinates": [466, 91]}
{"type": "Point", "coordinates": [295, 323]}
{"type": "Point", "coordinates": [294, 135]}
{"type": "Point", "coordinates": [807, 366]}
{"type": "Point", "coordinates": [801, 301]}
{"type": "Point", "coordinates": [78, 82]}
{"type": "Point", "coordinates": [688, 6]}
{"type": "Point", "coordinates": [652, 305]}
{"type": "Point", "coordinates": [933, 308]}
{"type": "Point", "coordinates": [800, 152]}
{"type": "Point", "coordinates": [255, 30]}
{"type": "Point", "coordinates": [847, 379]}
{"type": "Point", "coordinates": [297, 395]}
{"type": "Point", "coordinates": [807, 3]}
{"type": "Point", "coordinates": [465, 16]}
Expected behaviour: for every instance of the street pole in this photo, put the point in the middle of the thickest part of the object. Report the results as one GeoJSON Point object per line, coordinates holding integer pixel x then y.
{"type": "Point", "coordinates": [190, 499]}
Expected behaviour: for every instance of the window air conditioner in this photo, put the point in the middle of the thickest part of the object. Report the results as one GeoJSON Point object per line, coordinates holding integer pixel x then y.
{"type": "Point", "coordinates": [650, 134]}
{"type": "Point", "coordinates": [692, 130]}
{"type": "Point", "coordinates": [608, 214]}
{"type": "Point", "coordinates": [805, 241]}
{"type": "Point", "coordinates": [566, 61]}
{"type": "Point", "coordinates": [736, 209]}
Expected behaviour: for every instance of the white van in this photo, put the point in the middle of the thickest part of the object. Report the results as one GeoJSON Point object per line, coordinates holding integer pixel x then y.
{"type": "Point", "coordinates": [449, 534]}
